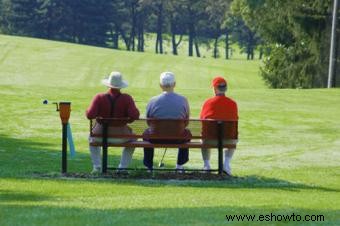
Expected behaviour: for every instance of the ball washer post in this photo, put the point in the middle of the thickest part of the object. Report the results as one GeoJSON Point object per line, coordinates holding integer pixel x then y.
{"type": "Point", "coordinates": [64, 109]}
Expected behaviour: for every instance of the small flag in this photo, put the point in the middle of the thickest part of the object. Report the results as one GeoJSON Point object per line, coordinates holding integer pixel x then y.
{"type": "Point", "coordinates": [70, 141]}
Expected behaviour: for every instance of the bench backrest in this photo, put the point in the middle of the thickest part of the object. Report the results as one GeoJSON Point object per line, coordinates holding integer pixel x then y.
{"type": "Point", "coordinates": [167, 127]}
{"type": "Point", "coordinates": [210, 129]}
{"type": "Point", "coordinates": [173, 128]}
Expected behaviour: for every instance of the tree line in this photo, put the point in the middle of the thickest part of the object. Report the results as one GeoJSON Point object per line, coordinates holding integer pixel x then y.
{"type": "Point", "coordinates": [292, 35]}
{"type": "Point", "coordinates": [107, 22]}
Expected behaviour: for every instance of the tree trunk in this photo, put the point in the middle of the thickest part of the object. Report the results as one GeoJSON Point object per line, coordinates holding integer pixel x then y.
{"type": "Point", "coordinates": [173, 35]}
{"type": "Point", "coordinates": [140, 36]}
{"type": "Point", "coordinates": [191, 39]}
{"type": "Point", "coordinates": [216, 47]}
{"type": "Point", "coordinates": [261, 53]}
{"type": "Point", "coordinates": [159, 39]}
{"type": "Point", "coordinates": [251, 45]}
{"type": "Point", "coordinates": [248, 52]}
{"type": "Point", "coordinates": [176, 44]}
{"type": "Point", "coordinates": [141, 41]}
{"type": "Point", "coordinates": [174, 47]}
{"type": "Point", "coordinates": [156, 47]}
{"type": "Point", "coordinates": [133, 27]}
{"type": "Point", "coordinates": [49, 29]}
{"type": "Point", "coordinates": [115, 38]}
{"type": "Point", "coordinates": [227, 45]}
{"type": "Point", "coordinates": [198, 54]}
{"type": "Point", "coordinates": [125, 38]}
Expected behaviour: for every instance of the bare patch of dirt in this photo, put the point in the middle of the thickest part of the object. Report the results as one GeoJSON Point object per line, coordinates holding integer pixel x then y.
{"type": "Point", "coordinates": [196, 175]}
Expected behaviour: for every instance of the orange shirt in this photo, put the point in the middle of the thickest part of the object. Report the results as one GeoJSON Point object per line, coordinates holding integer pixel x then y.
{"type": "Point", "coordinates": [219, 107]}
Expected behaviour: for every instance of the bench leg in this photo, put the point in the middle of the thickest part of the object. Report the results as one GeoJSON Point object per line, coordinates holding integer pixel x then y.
{"type": "Point", "coordinates": [105, 147]}
{"type": "Point", "coordinates": [220, 160]}
{"type": "Point", "coordinates": [104, 160]}
{"type": "Point", "coordinates": [220, 147]}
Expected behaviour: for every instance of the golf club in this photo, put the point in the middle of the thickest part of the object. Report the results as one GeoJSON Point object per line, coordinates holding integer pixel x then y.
{"type": "Point", "coordinates": [161, 164]}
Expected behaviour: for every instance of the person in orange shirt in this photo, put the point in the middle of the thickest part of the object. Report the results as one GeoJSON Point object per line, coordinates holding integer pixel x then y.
{"type": "Point", "coordinates": [222, 108]}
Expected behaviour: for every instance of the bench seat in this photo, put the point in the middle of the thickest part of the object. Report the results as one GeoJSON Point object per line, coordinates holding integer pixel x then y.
{"type": "Point", "coordinates": [146, 144]}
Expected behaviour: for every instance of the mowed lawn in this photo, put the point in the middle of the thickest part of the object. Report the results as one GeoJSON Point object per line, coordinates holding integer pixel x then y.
{"type": "Point", "coordinates": [287, 161]}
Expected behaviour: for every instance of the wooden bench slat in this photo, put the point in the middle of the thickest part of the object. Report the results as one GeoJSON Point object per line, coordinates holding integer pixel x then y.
{"type": "Point", "coordinates": [146, 144]}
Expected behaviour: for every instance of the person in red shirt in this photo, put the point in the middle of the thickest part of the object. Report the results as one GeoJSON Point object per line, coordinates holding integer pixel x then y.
{"type": "Point", "coordinates": [112, 104]}
{"type": "Point", "coordinates": [222, 108]}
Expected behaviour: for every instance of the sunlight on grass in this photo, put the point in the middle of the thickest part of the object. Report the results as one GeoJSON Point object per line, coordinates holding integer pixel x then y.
{"type": "Point", "coordinates": [287, 159]}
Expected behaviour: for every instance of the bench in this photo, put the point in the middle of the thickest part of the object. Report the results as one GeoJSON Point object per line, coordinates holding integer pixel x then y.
{"type": "Point", "coordinates": [167, 130]}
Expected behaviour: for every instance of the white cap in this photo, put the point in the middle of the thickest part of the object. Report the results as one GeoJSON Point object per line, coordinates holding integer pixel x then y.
{"type": "Point", "coordinates": [167, 79]}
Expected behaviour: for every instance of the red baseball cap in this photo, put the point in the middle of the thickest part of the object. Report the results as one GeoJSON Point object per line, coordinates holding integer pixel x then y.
{"type": "Point", "coordinates": [218, 81]}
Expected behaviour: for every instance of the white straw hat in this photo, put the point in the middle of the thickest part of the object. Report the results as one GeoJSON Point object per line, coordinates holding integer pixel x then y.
{"type": "Point", "coordinates": [115, 80]}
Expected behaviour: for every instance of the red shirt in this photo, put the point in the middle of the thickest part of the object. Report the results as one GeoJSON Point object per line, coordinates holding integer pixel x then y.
{"type": "Point", "coordinates": [101, 106]}
{"type": "Point", "coordinates": [219, 107]}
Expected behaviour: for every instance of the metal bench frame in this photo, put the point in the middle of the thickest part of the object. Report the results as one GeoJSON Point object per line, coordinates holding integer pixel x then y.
{"type": "Point", "coordinates": [231, 143]}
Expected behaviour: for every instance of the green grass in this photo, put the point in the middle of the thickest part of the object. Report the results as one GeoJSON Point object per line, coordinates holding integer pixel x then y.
{"type": "Point", "coordinates": [287, 160]}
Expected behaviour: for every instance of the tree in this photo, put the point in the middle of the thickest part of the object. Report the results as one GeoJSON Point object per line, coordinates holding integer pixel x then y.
{"type": "Point", "coordinates": [55, 19]}
{"type": "Point", "coordinates": [177, 23]}
{"type": "Point", "coordinates": [89, 23]}
{"type": "Point", "coordinates": [1, 15]}
{"type": "Point", "coordinates": [217, 11]}
{"type": "Point", "coordinates": [247, 39]}
{"type": "Point", "coordinates": [123, 21]}
{"type": "Point", "coordinates": [297, 31]}
{"type": "Point", "coordinates": [193, 15]}
{"type": "Point", "coordinates": [4, 14]}
{"type": "Point", "coordinates": [143, 11]}
{"type": "Point", "coordinates": [117, 23]}
{"type": "Point", "coordinates": [22, 18]}
{"type": "Point", "coordinates": [159, 9]}
{"type": "Point", "coordinates": [157, 21]}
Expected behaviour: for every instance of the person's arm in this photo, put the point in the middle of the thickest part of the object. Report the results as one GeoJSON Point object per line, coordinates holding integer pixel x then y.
{"type": "Point", "coordinates": [133, 112]}
{"type": "Point", "coordinates": [202, 114]}
{"type": "Point", "coordinates": [93, 110]}
{"type": "Point", "coordinates": [148, 112]}
{"type": "Point", "coordinates": [236, 110]}
{"type": "Point", "coordinates": [187, 109]}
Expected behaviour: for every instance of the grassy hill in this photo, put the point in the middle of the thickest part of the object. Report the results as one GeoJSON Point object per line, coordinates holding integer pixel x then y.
{"type": "Point", "coordinates": [287, 159]}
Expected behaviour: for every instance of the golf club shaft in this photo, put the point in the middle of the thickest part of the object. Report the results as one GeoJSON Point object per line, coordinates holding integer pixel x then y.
{"type": "Point", "coordinates": [163, 157]}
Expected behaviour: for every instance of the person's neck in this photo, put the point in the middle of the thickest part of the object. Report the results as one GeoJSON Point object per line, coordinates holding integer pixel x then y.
{"type": "Point", "coordinates": [220, 94]}
{"type": "Point", "coordinates": [168, 90]}
{"type": "Point", "coordinates": [112, 90]}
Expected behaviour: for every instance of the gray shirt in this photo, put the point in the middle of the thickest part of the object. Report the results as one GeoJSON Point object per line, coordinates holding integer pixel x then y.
{"type": "Point", "coordinates": [168, 105]}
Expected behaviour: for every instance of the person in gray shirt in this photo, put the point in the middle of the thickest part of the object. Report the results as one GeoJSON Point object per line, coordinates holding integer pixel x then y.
{"type": "Point", "coordinates": [168, 105]}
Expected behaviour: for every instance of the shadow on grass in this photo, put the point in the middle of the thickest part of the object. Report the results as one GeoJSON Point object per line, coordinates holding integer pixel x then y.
{"type": "Point", "coordinates": [26, 158]}
{"type": "Point", "coordinates": [113, 215]}
{"type": "Point", "coordinates": [15, 196]}
{"type": "Point", "coordinates": [246, 182]}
